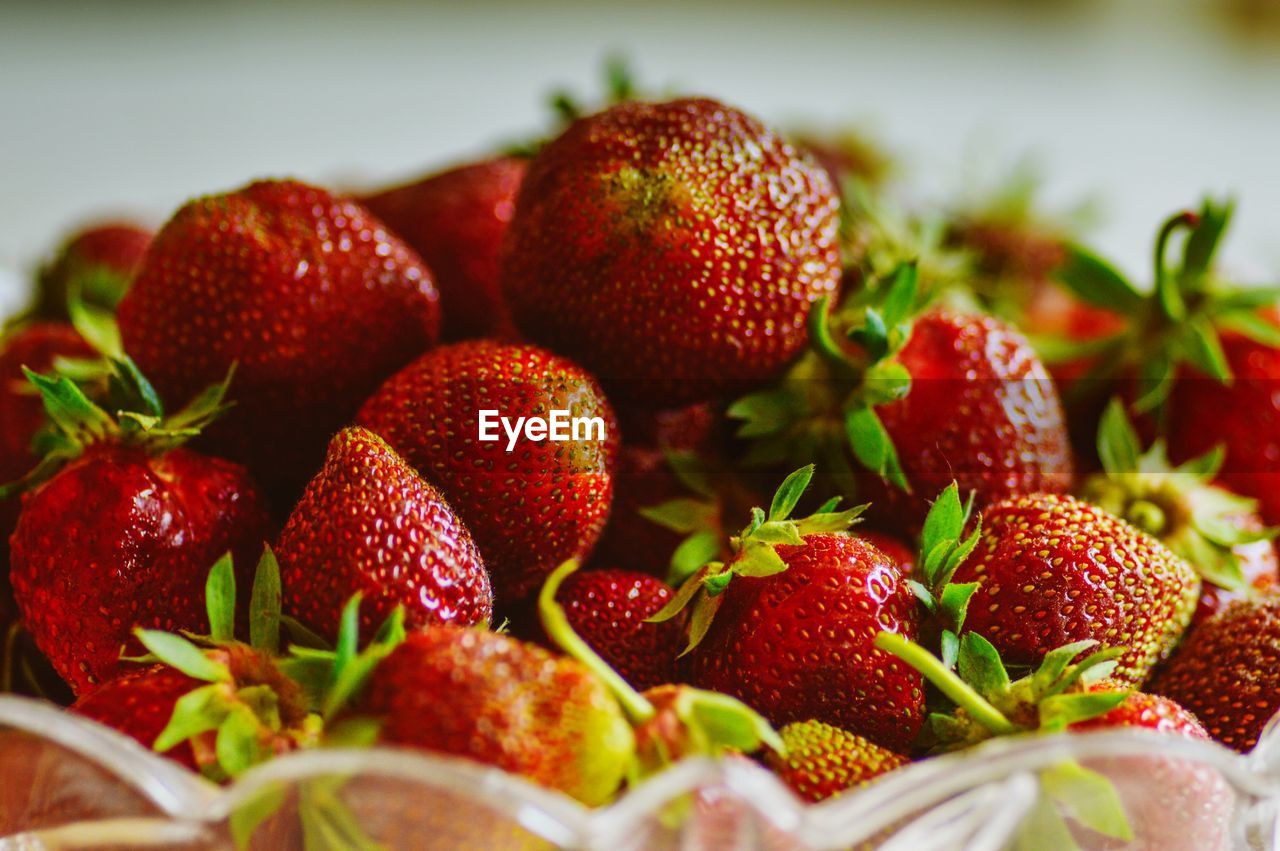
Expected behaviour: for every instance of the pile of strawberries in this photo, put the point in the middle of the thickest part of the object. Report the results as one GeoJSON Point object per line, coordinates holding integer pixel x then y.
{"type": "Point", "coordinates": [1064, 497]}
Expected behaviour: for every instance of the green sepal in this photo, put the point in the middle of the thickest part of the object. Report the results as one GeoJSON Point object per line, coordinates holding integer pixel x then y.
{"type": "Point", "coordinates": [1118, 444]}
{"type": "Point", "coordinates": [684, 514]}
{"type": "Point", "coordinates": [1088, 798]}
{"type": "Point", "coordinates": [97, 326]}
{"type": "Point", "coordinates": [979, 665]}
{"type": "Point", "coordinates": [177, 652]}
{"type": "Point", "coordinates": [692, 553]}
{"type": "Point", "coordinates": [264, 604]}
{"type": "Point", "coordinates": [220, 599]}
{"type": "Point", "coordinates": [1203, 350]}
{"type": "Point", "coordinates": [351, 671]}
{"type": "Point", "coordinates": [872, 446]}
{"type": "Point", "coordinates": [239, 745]}
{"type": "Point", "coordinates": [1060, 711]}
{"type": "Point", "coordinates": [954, 602]}
{"type": "Point", "coordinates": [1096, 282]}
{"type": "Point", "coordinates": [200, 711]}
{"type": "Point", "coordinates": [789, 492]}
{"type": "Point", "coordinates": [719, 724]}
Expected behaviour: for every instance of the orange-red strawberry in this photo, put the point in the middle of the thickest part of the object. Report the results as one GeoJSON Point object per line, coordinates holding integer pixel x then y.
{"type": "Point", "coordinates": [369, 524]}
{"type": "Point", "coordinates": [915, 402]}
{"type": "Point", "coordinates": [505, 703]}
{"type": "Point", "coordinates": [307, 294]}
{"type": "Point", "coordinates": [1226, 673]}
{"type": "Point", "coordinates": [530, 503]}
{"type": "Point", "coordinates": [822, 761]}
{"type": "Point", "coordinates": [674, 249]}
{"type": "Point", "coordinates": [1053, 570]}
{"type": "Point", "coordinates": [787, 624]}
{"type": "Point", "coordinates": [610, 609]}
{"type": "Point", "coordinates": [123, 534]}
{"type": "Point", "coordinates": [96, 263]}
{"type": "Point", "coordinates": [456, 220]}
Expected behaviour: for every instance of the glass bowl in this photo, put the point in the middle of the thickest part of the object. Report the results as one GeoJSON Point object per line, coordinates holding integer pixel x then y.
{"type": "Point", "coordinates": [66, 782]}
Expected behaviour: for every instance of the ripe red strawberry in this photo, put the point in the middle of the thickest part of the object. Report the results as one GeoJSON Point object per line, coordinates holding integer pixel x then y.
{"type": "Point", "coordinates": [309, 295]}
{"type": "Point", "coordinates": [823, 761]}
{"type": "Point", "coordinates": [916, 403]}
{"type": "Point", "coordinates": [369, 524]}
{"type": "Point", "coordinates": [1217, 532]}
{"type": "Point", "coordinates": [1149, 712]}
{"type": "Point", "coordinates": [529, 508]}
{"type": "Point", "coordinates": [1053, 570]}
{"type": "Point", "coordinates": [610, 609]}
{"type": "Point", "coordinates": [456, 220]}
{"type": "Point", "coordinates": [34, 346]}
{"type": "Point", "coordinates": [787, 625]}
{"type": "Point", "coordinates": [123, 534]}
{"type": "Point", "coordinates": [139, 703]}
{"type": "Point", "coordinates": [673, 248]}
{"type": "Point", "coordinates": [504, 703]}
{"type": "Point", "coordinates": [1225, 672]}
{"type": "Point", "coordinates": [1243, 416]}
{"type": "Point", "coordinates": [97, 262]}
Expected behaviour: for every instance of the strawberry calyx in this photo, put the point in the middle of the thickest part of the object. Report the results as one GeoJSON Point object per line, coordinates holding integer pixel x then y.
{"type": "Point", "coordinates": [699, 517]}
{"type": "Point", "coordinates": [670, 721]}
{"type": "Point", "coordinates": [754, 552]}
{"type": "Point", "coordinates": [250, 710]}
{"type": "Point", "coordinates": [1178, 322]}
{"type": "Point", "coordinates": [987, 702]}
{"type": "Point", "coordinates": [1198, 520]}
{"type": "Point", "coordinates": [825, 406]}
{"type": "Point", "coordinates": [76, 423]}
{"type": "Point", "coordinates": [944, 545]}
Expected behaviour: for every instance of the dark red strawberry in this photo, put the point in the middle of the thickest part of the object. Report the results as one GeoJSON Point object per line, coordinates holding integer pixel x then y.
{"type": "Point", "coordinates": [1053, 570]}
{"type": "Point", "coordinates": [456, 220]}
{"type": "Point", "coordinates": [1217, 532]}
{"type": "Point", "coordinates": [673, 248]}
{"type": "Point", "coordinates": [916, 404]}
{"type": "Point", "coordinates": [610, 609]}
{"type": "Point", "coordinates": [1225, 672]}
{"type": "Point", "coordinates": [308, 295]}
{"type": "Point", "coordinates": [124, 533]}
{"type": "Point", "coordinates": [891, 546]}
{"type": "Point", "coordinates": [822, 761]}
{"type": "Point", "coordinates": [787, 624]}
{"type": "Point", "coordinates": [34, 346]}
{"type": "Point", "coordinates": [369, 524]}
{"type": "Point", "coordinates": [139, 704]}
{"type": "Point", "coordinates": [97, 263]}
{"type": "Point", "coordinates": [529, 503]}
{"type": "Point", "coordinates": [1242, 416]}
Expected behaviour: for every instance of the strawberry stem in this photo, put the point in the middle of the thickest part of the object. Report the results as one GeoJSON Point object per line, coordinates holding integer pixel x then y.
{"type": "Point", "coordinates": [960, 692]}
{"type": "Point", "coordinates": [559, 630]}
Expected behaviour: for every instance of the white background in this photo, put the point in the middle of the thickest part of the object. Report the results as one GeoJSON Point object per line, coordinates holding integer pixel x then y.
{"type": "Point", "coordinates": [134, 106]}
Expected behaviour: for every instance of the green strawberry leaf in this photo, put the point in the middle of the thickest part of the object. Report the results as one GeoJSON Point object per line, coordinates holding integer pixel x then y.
{"type": "Point", "coordinates": [885, 381]}
{"type": "Point", "coordinates": [1060, 711]}
{"type": "Point", "coordinates": [704, 612]}
{"type": "Point", "coordinates": [979, 665]}
{"type": "Point", "coordinates": [692, 553]}
{"type": "Point", "coordinates": [1202, 244]}
{"type": "Point", "coordinates": [900, 298]}
{"type": "Point", "coordinates": [1203, 350]}
{"type": "Point", "coordinates": [1055, 664]}
{"type": "Point", "coordinates": [1097, 282]}
{"type": "Point", "coordinates": [239, 746]}
{"type": "Point", "coordinates": [200, 711]}
{"type": "Point", "coordinates": [725, 724]}
{"type": "Point", "coordinates": [1252, 326]}
{"type": "Point", "coordinates": [954, 602]}
{"type": "Point", "coordinates": [789, 492]}
{"type": "Point", "coordinates": [301, 634]}
{"type": "Point", "coordinates": [873, 447]}
{"type": "Point", "coordinates": [177, 652]}
{"type": "Point", "coordinates": [763, 414]}
{"type": "Point", "coordinates": [220, 600]}
{"type": "Point", "coordinates": [684, 514]}
{"type": "Point", "coordinates": [950, 646]}
{"type": "Point", "coordinates": [264, 604]}
{"type": "Point", "coordinates": [755, 560]}
{"type": "Point", "coordinates": [944, 524]}
{"type": "Point", "coordinates": [1118, 444]}
{"type": "Point", "coordinates": [1087, 797]}
{"type": "Point", "coordinates": [97, 326]}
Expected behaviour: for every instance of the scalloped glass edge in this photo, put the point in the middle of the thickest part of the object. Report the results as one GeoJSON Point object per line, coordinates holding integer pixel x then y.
{"type": "Point", "coordinates": [980, 794]}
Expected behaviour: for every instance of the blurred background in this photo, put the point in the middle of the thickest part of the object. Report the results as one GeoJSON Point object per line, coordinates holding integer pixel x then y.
{"type": "Point", "coordinates": [1141, 105]}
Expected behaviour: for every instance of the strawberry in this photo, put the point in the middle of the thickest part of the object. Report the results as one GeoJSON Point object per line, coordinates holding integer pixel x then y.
{"type": "Point", "coordinates": [214, 704]}
{"type": "Point", "coordinates": [916, 403]}
{"type": "Point", "coordinates": [787, 624]}
{"type": "Point", "coordinates": [456, 220]}
{"type": "Point", "coordinates": [96, 263]}
{"type": "Point", "coordinates": [529, 504]}
{"type": "Point", "coordinates": [1052, 570]}
{"type": "Point", "coordinates": [673, 248]}
{"type": "Point", "coordinates": [610, 609]}
{"type": "Point", "coordinates": [823, 761]}
{"type": "Point", "coordinates": [1225, 671]}
{"type": "Point", "coordinates": [1242, 415]}
{"type": "Point", "coordinates": [504, 703]}
{"type": "Point", "coordinates": [308, 294]}
{"type": "Point", "coordinates": [368, 523]}
{"type": "Point", "coordinates": [122, 534]}
{"type": "Point", "coordinates": [35, 346]}
{"type": "Point", "coordinates": [1170, 802]}
{"type": "Point", "coordinates": [1217, 532]}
